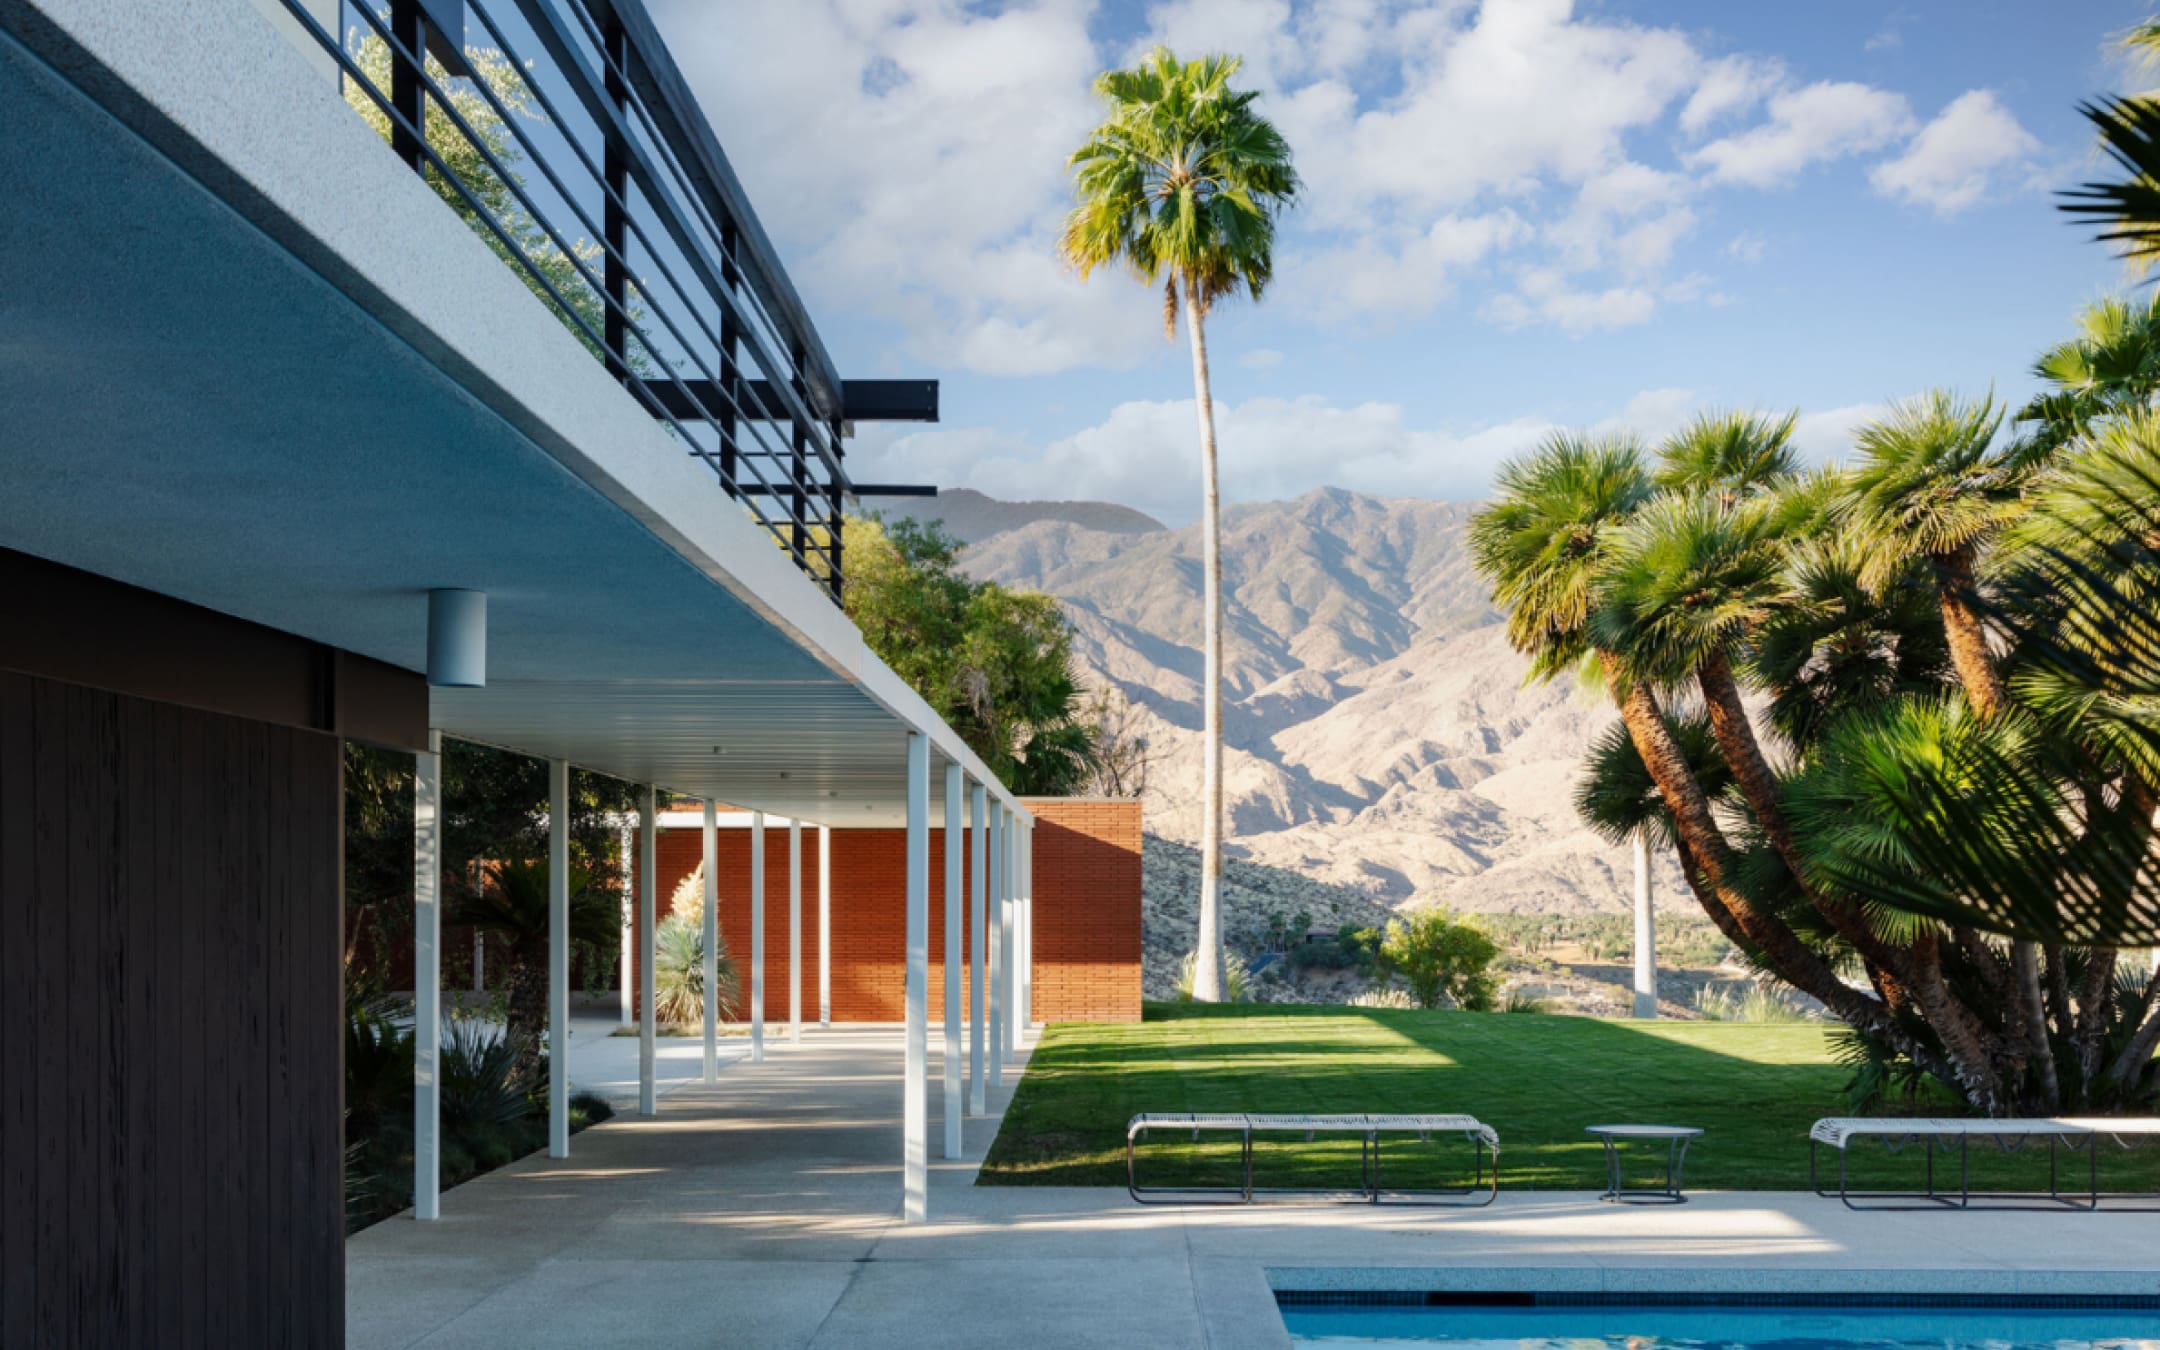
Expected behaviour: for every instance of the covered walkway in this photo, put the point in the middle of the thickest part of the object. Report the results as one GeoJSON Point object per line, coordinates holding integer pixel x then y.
{"type": "Point", "coordinates": [762, 1211]}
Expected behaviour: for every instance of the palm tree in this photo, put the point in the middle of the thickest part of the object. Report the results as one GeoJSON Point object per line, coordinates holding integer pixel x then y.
{"type": "Point", "coordinates": [1730, 455]}
{"type": "Point", "coordinates": [511, 907]}
{"type": "Point", "coordinates": [1928, 484]}
{"type": "Point", "coordinates": [2108, 369]}
{"type": "Point", "coordinates": [1181, 184]}
{"type": "Point", "coordinates": [1547, 544]}
{"type": "Point", "coordinates": [2127, 211]}
{"type": "Point", "coordinates": [1695, 575]}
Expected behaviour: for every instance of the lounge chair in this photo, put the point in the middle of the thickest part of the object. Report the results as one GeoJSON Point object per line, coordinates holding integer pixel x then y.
{"type": "Point", "coordinates": [1949, 1134]}
{"type": "Point", "coordinates": [1368, 1128]}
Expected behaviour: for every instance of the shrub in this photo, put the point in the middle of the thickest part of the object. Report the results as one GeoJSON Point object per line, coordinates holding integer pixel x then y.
{"type": "Point", "coordinates": [1361, 945]}
{"type": "Point", "coordinates": [1320, 956]}
{"type": "Point", "coordinates": [1439, 957]}
{"type": "Point", "coordinates": [1756, 1003]}
{"type": "Point", "coordinates": [1384, 996]}
{"type": "Point", "coordinates": [1237, 980]}
{"type": "Point", "coordinates": [1521, 1001]}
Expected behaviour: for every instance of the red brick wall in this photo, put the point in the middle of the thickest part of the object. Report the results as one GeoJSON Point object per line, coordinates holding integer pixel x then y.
{"type": "Point", "coordinates": [1087, 914]}
{"type": "Point", "coordinates": [1087, 909]}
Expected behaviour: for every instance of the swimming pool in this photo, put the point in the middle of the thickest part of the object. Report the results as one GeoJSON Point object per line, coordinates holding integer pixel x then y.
{"type": "Point", "coordinates": [1642, 1324]}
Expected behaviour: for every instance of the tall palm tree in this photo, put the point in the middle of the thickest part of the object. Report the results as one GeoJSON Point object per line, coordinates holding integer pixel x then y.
{"type": "Point", "coordinates": [1181, 184]}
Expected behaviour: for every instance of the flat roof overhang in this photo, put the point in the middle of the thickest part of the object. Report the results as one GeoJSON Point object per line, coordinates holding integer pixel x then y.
{"type": "Point", "coordinates": [249, 361]}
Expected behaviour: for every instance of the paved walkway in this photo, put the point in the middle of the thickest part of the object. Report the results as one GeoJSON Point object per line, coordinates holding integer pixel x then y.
{"type": "Point", "coordinates": [764, 1211]}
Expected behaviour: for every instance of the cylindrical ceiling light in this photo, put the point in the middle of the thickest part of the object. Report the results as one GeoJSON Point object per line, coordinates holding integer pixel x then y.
{"type": "Point", "coordinates": [457, 639]}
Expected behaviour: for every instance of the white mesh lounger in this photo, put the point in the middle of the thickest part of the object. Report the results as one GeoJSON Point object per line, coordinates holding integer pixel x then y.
{"type": "Point", "coordinates": [1948, 1135]}
{"type": "Point", "coordinates": [1368, 1128]}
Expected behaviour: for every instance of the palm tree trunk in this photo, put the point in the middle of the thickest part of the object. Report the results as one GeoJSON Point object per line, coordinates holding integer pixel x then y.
{"type": "Point", "coordinates": [2095, 1012]}
{"type": "Point", "coordinates": [1208, 965]}
{"type": "Point", "coordinates": [1737, 742]}
{"type": "Point", "coordinates": [1966, 635]}
{"type": "Point", "coordinates": [1706, 855]}
{"type": "Point", "coordinates": [2032, 1017]}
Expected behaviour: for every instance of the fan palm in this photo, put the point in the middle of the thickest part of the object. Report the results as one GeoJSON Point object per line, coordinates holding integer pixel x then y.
{"type": "Point", "coordinates": [1929, 484]}
{"type": "Point", "coordinates": [2109, 368]}
{"type": "Point", "coordinates": [1547, 545]}
{"type": "Point", "coordinates": [1730, 455]}
{"type": "Point", "coordinates": [2127, 211]}
{"type": "Point", "coordinates": [511, 907]}
{"type": "Point", "coordinates": [1181, 184]}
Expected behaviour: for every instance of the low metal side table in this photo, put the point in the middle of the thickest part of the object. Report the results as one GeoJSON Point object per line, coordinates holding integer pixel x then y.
{"type": "Point", "coordinates": [1676, 1139]}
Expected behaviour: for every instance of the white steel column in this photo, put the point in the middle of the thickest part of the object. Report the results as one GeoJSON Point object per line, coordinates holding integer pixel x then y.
{"type": "Point", "coordinates": [1011, 955]}
{"type": "Point", "coordinates": [711, 972]}
{"type": "Point", "coordinates": [979, 816]}
{"type": "Point", "coordinates": [997, 945]}
{"type": "Point", "coordinates": [824, 926]}
{"type": "Point", "coordinates": [1645, 932]}
{"type": "Point", "coordinates": [915, 1104]}
{"type": "Point", "coordinates": [1027, 925]}
{"type": "Point", "coordinates": [627, 957]}
{"type": "Point", "coordinates": [648, 1048]}
{"type": "Point", "coordinates": [955, 840]}
{"type": "Point", "coordinates": [558, 958]}
{"type": "Point", "coordinates": [427, 979]}
{"type": "Point", "coordinates": [757, 937]}
{"type": "Point", "coordinates": [794, 930]}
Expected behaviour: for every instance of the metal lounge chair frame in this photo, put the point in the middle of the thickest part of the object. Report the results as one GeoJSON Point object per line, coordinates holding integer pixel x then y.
{"type": "Point", "coordinates": [1948, 1135]}
{"type": "Point", "coordinates": [1369, 1129]}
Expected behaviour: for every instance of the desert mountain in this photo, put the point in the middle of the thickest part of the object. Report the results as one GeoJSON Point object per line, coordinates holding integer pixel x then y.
{"type": "Point", "coordinates": [971, 516]}
{"type": "Point", "coordinates": [1382, 743]}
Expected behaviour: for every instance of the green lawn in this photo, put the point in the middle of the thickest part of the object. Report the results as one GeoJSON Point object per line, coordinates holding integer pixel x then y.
{"type": "Point", "coordinates": [1538, 1080]}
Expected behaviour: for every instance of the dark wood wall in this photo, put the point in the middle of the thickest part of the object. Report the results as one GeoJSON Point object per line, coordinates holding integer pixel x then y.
{"type": "Point", "coordinates": [170, 1025]}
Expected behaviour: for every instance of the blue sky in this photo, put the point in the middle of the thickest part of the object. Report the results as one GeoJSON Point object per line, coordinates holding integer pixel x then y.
{"type": "Point", "coordinates": [1519, 214]}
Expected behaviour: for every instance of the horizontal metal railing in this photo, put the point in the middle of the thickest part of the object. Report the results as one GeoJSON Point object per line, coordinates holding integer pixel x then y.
{"type": "Point", "coordinates": [563, 133]}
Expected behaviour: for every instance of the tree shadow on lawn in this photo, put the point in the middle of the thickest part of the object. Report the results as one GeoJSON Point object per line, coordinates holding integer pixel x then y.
{"type": "Point", "coordinates": [1537, 1080]}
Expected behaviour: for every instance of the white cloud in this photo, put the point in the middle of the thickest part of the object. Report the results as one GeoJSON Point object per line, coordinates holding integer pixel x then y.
{"type": "Point", "coordinates": [1957, 159]}
{"type": "Point", "coordinates": [909, 155]}
{"type": "Point", "coordinates": [1745, 247]}
{"type": "Point", "coordinates": [1826, 120]}
{"type": "Point", "coordinates": [1729, 86]}
{"type": "Point", "coordinates": [1376, 273]}
{"type": "Point", "coordinates": [1261, 358]}
{"type": "Point", "coordinates": [1544, 295]}
{"type": "Point", "coordinates": [1144, 454]}
{"type": "Point", "coordinates": [1824, 436]}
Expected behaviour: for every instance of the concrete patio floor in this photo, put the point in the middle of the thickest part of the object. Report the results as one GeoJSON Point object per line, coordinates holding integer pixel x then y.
{"type": "Point", "coordinates": [764, 1211]}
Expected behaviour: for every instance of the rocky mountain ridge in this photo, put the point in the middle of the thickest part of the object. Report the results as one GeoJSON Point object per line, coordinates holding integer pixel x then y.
{"type": "Point", "coordinates": [1381, 740]}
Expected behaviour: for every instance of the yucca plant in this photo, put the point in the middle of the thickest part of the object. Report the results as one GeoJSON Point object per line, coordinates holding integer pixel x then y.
{"type": "Point", "coordinates": [679, 973]}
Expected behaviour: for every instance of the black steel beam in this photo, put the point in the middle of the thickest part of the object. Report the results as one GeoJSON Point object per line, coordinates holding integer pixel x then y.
{"type": "Point", "coordinates": [889, 400]}
{"type": "Point", "coordinates": [894, 490]}
{"type": "Point", "coordinates": [861, 400]}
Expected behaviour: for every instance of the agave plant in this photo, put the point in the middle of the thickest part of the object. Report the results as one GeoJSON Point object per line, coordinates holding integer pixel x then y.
{"type": "Point", "coordinates": [679, 972]}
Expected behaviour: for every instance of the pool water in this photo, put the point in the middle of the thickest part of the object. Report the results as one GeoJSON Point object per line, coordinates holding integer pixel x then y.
{"type": "Point", "coordinates": [1712, 1327]}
